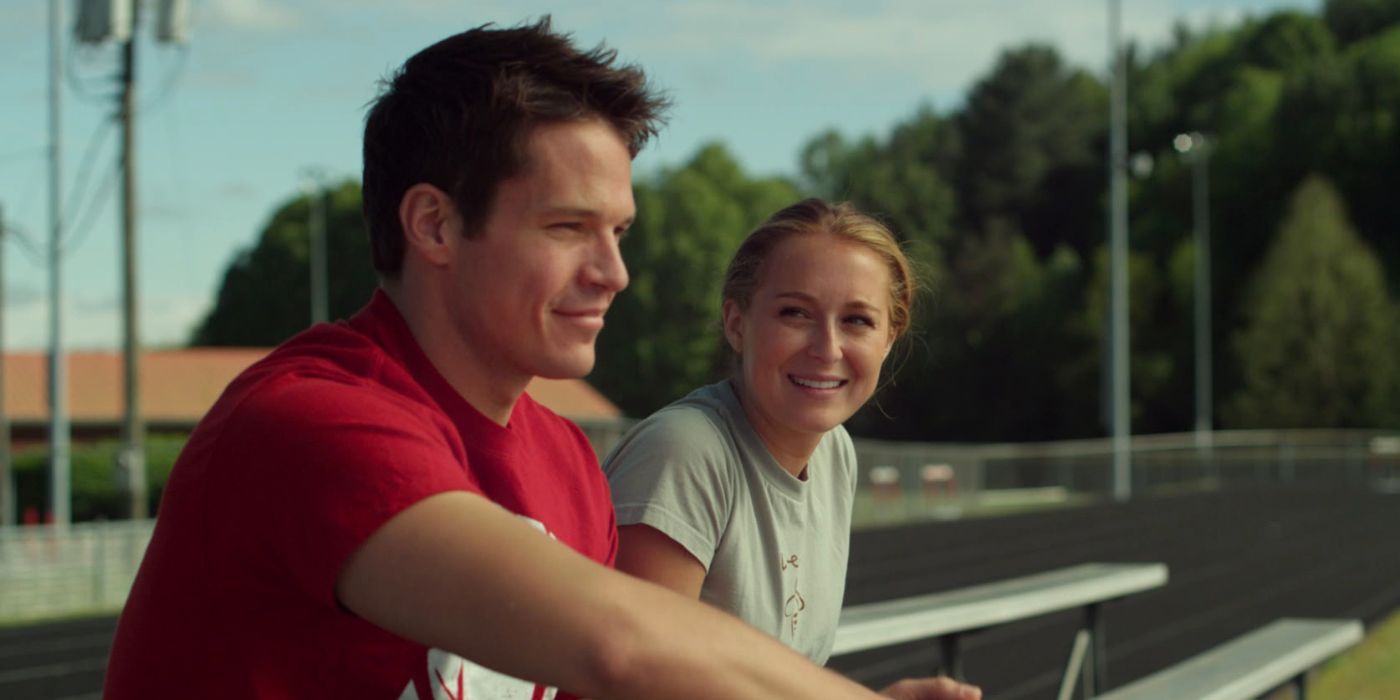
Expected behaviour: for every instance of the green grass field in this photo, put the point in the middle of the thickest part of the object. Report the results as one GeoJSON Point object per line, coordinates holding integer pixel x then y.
{"type": "Point", "coordinates": [1370, 671]}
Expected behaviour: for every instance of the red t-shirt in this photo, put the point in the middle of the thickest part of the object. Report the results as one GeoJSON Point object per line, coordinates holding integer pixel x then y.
{"type": "Point", "coordinates": [305, 455]}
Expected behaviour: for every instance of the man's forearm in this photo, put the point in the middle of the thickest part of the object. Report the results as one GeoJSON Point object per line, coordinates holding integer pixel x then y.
{"type": "Point", "coordinates": [459, 573]}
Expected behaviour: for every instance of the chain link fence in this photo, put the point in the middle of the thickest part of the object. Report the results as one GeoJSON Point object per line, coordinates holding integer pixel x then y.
{"type": "Point", "coordinates": [49, 571]}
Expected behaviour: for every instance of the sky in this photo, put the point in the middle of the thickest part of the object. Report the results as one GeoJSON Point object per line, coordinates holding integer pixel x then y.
{"type": "Point", "coordinates": [265, 92]}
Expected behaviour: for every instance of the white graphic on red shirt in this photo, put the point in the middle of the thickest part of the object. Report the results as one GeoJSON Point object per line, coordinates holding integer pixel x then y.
{"type": "Point", "coordinates": [453, 678]}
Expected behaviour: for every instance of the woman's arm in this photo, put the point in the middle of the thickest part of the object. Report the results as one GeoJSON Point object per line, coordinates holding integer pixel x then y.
{"type": "Point", "coordinates": [648, 553]}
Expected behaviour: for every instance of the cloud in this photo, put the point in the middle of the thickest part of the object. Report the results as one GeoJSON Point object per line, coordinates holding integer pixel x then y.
{"type": "Point", "coordinates": [16, 295]}
{"type": "Point", "coordinates": [938, 46]}
{"type": "Point", "coordinates": [237, 190]}
{"type": "Point", "coordinates": [96, 322]}
{"type": "Point", "coordinates": [252, 15]}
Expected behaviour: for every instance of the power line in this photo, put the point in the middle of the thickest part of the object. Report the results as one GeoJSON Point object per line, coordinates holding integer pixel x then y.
{"type": "Point", "coordinates": [26, 243]}
{"type": "Point", "coordinates": [85, 169]}
{"type": "Point", "coordinates": [172, 78]}
{"type": "Point", "coordinates": [78, 233]}
{"type": "Point", "coordinates": [77, 82]}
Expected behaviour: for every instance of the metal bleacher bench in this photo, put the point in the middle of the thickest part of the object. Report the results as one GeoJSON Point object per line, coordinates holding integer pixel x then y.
{"type": "Point", "coordinates": [949, 614]}
{"type": "Point", "coordinates": [1278, 654]}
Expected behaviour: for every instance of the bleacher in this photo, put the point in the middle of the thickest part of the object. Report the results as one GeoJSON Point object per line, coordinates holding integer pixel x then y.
{"type": "Point", "coordinates": [1238, 562]}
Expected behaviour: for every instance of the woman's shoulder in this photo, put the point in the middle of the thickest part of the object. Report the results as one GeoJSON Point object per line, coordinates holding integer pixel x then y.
{"type": "Point", "coordinates": [838, 450]}
{"type": "Point", "coordinates": [692, 429]}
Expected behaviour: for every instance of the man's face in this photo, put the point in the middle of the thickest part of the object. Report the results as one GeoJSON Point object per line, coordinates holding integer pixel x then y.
{"type": "Point", "coordinates": [532, 287]}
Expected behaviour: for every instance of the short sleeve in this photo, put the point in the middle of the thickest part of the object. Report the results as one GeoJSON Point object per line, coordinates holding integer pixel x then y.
{"type": "Point", "coordinates": [675, 472]}
{"type": "Point", "coordinates": [315, 466]}
{"type": "Point", "coordinates": [848, 450]}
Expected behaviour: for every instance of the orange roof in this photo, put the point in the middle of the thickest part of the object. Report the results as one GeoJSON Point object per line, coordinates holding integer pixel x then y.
{"type": "Point", "coordinates": [178, 386]}
{"type": "Point", "coordinates": [573, 398]}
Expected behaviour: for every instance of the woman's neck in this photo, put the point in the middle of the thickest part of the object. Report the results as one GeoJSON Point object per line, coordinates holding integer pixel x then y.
{"type": "Point", "coordinates": [791, 449]}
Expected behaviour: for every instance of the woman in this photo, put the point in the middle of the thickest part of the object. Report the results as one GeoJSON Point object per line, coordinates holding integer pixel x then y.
{"type": "Point", "coordinates": [740, 493]}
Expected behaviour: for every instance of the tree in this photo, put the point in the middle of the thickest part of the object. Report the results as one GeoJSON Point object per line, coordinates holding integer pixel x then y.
{"type": "Point", "coordinates": [904, 180]}
{"type": "Point", "coordinates": [1318, 345]}
{"type": "Point", "coordinates": [1285, 41]}
{"type": "Point", "coordinates": [1031, 133]}
{"type": "Point", "coordinates": [265, 297]}
{"type": "Point", "coordinates": [1353, 20]}
{"type": "Point", "coordinates": [662, 335]}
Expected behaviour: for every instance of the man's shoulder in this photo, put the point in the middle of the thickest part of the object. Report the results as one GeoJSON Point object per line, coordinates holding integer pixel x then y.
{"type": "Point", "coordinates": [326, 370]}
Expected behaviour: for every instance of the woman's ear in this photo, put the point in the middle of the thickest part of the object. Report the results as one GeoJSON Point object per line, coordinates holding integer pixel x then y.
{"type": "Point", "coordinates": [733, 325]}
{"type": "Point", "coordinates": [431, 226]}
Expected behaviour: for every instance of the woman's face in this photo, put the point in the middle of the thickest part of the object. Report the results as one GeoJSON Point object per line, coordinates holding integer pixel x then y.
{"type": "Point", "coordinates": [813, 338]}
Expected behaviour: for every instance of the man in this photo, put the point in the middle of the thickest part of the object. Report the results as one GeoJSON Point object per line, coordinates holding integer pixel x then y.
{"type": "Point", "coordinates": [377, 509]}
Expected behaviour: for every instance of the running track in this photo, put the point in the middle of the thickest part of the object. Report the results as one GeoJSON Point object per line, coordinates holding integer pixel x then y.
{"type": "Point", "coordinates": [1237, 561]}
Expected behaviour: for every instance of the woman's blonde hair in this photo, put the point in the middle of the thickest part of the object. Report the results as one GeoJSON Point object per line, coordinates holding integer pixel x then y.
{"type": "Point", "coordinates": [843, 220]}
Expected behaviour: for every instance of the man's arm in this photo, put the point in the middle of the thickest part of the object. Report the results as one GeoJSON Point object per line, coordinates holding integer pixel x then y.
{"type": "Point", "coordinates": [459, 573]}
{"type": "Point", "coordinates": [648, 553]}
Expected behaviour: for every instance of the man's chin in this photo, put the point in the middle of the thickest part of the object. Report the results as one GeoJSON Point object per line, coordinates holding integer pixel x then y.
{"type": "Point", "coordinates": [576, 367]}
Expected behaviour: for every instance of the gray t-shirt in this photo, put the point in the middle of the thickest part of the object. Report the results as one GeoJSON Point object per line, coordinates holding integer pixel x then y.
{"type": "Point", "coordinates": [774, 546]}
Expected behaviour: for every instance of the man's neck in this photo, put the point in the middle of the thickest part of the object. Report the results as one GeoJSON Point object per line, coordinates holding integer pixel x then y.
{"type": "Point", "coordinates": [491, 390]}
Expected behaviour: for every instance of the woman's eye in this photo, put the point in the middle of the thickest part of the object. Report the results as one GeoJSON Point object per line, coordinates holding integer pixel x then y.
{"type": "Point", "coordinates": [861, 320]}
{"type": "Point", "coordinates": [791, 312]}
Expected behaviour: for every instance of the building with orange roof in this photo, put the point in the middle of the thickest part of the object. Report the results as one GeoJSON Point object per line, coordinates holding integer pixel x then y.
{"type": "Point", "coordinates": [179, 386]}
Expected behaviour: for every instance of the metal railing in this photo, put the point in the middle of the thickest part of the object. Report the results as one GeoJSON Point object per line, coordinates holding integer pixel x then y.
{"type": "Point", "coordinates": [902, 482]}
{"type": "Point", "coordinates": [48, 571]}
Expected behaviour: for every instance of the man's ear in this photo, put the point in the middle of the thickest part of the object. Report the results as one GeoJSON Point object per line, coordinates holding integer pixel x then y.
{"type": "Point", "coordinates": [733, 325]}
{"type": "Point", "coordinates": [431, 226]}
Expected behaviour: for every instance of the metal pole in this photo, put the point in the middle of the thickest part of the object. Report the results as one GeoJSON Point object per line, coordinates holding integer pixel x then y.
{"type": "Point", "coordinates": [1200, 198]}
{"type": "Point", "coordinates": [317, 226]}
{"type": "Point", "coordinates": [59, 466]}
{"type": "Point", "coordinates": [7, 505]}
{"type": "Point", "coordinates": [950, 655]}
{"type": "Point", "coordinates": [133, 454]}
{"type": "Point", "coordinates": [1118, 258]}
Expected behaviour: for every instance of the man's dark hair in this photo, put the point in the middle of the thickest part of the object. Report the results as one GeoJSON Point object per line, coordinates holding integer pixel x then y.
{"type": "Point", "coordinates": [458, 115]}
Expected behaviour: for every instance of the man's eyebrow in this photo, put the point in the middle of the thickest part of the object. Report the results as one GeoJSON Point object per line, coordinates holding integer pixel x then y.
{"type": "Point", "coordinates": [580, 212]}
{"type": "Point", "coordinates": [583, 213]}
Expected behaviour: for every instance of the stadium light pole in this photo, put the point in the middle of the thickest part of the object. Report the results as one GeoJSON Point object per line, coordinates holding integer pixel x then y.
{"type": "Point", "coordinates": [1196, 147]}
{"type": "Point", "coordinates": [1118, 257]}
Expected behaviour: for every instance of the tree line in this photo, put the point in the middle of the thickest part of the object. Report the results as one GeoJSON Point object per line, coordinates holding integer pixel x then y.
{"type": "Point", "coordinates": [1002, 202]}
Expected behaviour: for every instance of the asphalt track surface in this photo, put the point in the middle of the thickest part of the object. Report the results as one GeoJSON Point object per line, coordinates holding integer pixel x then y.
{"type": "Point", "coordinates": [1237, 561]}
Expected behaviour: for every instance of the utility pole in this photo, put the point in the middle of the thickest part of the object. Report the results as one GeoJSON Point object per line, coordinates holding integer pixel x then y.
{"type": "Point", "coordinates": [98, 22]}
{"type": "Point", "coordinates": [133, 452]}
{"type": "Point", "coordinates": [316, 225]}
{"type": "Point", "coordinates": [60, 474]}
{"type": "Point", "coordinates": [7, 504]}
{"type": "Point", "coordinates": [1118, 256]}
